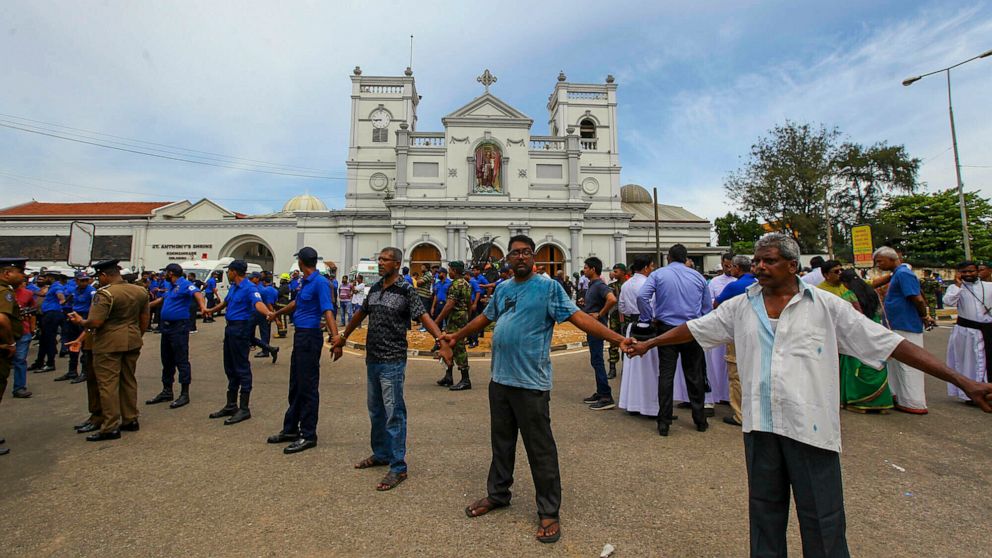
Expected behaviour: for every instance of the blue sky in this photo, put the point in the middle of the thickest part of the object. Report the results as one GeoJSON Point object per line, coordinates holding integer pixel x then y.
{"type": "Point", "coordinates": [698, 83]}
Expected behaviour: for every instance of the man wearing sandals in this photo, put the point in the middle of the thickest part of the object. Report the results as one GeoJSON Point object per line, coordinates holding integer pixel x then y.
{"type": "Point", "coordinates": [525, 310]}
{"type": "Point", "coordinates": [391, 304]}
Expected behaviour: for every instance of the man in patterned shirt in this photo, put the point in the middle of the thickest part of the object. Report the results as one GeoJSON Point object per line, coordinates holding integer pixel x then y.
{"type": "Point", "coordinates": [455, 315]}
{"type": "Point", "coordinates": [390, 306]}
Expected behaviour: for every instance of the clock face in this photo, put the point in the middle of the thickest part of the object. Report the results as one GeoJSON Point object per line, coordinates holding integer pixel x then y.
{"type": "Point", "coordinates": [380, 119]}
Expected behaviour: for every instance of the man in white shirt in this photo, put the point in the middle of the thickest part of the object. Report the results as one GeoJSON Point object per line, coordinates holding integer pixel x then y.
{"type": "Point", "coordinates": [815, 275]}
{"type": "Point", "coordinates": [970, 344]}
{"type": "Point", "coordinates": [788, 336]}
{"type": "Point", "coordinates": [639, 382]}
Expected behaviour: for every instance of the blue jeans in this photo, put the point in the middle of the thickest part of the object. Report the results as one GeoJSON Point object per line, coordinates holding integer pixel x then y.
{"type": "Point", "coordinates": [387, 412]}
{"type": "Point", "coordinates": [346, 312]}
{"type": "Point", "coordinates": [20, 363]}
{"type": "Point", "coordinates": [598, 366]}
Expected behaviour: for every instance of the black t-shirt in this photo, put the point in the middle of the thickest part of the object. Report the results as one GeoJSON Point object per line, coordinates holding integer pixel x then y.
{"type": "Point", "coordinates": [390, 311]}
{"type": "Point", "coordinates": [595, 297]}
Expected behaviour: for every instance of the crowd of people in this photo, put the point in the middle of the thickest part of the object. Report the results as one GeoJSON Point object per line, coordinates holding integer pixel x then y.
{"type": "Point", "coordinates": [785, 348]}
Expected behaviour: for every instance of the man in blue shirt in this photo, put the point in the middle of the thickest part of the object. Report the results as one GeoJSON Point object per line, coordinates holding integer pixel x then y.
{"type": "Point", "coordinates": [82, 297]}
{"type": "Point", "coordinates": [51, 321]}
{"type": "Point", "coordinates": [314, 302]}
{"type": "Point", "coordinates": [741, 270]}
{"type": "Point", "coordinates": [156, 288]}
{"type": "Point", "coordinates": [907, 313]}
{"type": "Point", "coordinates": [441, 286]}
{"type": "Point", "coordinates": [174, 306]}
{"type": "Point", "coordinates": [210, 290]}
{"type": "Point", "coordinates": [480, 297]}
{"type": "Point", "coordinates": [679, 294]}
{"type": "Point", "coordinates": [525, 310]}
{"type": "Point", "coordinates": [241, 302]}
{"type": "Point", "coordinates": [269, 297]}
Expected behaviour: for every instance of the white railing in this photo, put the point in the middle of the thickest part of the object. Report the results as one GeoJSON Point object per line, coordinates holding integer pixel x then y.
{"type": "Point", "coordinates": [587, 144]}
{"type": "Point", "coordinates": [587, 95]}
{"type": "Point", "coordinates": [547, 143]}
{"type": "Point", "coordinates": [427, 140]}
{"type": "Point", "coordinates": [382, 89]}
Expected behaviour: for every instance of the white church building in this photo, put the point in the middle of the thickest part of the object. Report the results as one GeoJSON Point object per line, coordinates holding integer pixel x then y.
{"type": "Point", "coordinates": [483, 175]}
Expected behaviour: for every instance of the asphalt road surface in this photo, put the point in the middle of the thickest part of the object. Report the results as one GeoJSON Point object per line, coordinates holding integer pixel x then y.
{"type": "Point", "coordinates": [187, 485]}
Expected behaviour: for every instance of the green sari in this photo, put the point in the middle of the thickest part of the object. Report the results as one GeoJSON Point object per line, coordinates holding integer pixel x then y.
{"type": "Point", "coordinates": [862, 388]}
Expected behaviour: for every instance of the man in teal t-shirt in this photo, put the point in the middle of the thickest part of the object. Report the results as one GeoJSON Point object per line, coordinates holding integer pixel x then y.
{"type": "Point", "coordinates": [525, 310]}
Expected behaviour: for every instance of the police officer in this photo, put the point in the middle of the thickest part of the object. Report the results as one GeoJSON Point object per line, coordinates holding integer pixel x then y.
{"type": "Point", "coordinates": [174, 305]}
{"type": "Point", "coordinates": [81, 299]}
{"type": "Point", "coordinates": [242, 301]}
{"type": "Point", "coordinates": [11, 325]}
{"type": "Point", "coordinates": [210, 290]}
{"type": "Point", "coordinates": [269, 296]}
{"type": "Point", "coordinates": [455, 315]}
{"type": "Point", "coordinates": [282, 301]}
{"type": "Point", "coordinates": [51, 321]}
{"type": "Point", "coordinates": [118, 318]}
{"type": "Point", "coordinates": [313, 302]}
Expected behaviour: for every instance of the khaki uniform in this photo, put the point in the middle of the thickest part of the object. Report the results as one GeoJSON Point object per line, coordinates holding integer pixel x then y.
{"type": "Point", "coordinates": [9, 306]}
{"type": "Point", "coordinates": [116, 346]}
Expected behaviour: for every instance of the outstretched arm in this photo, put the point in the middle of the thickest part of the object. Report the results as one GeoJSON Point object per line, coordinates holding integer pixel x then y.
{"type": "Point", "coordinates": [592, 326]}
{"type": "Point", "coordinates": [677, 336]}
{"type": "Point", "coordinates": [921, 359]}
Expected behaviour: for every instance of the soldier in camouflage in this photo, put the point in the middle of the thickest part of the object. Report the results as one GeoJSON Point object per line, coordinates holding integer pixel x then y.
{"type": "Point", "coordinates": [455, 316]}
{"type": "Point", "coordinates": [931, 290]}
{"type": "Point", "coordinates": [619, 276]}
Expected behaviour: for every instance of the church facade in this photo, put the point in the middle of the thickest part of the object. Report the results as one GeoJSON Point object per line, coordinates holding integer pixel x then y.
{"type": "Point", "coordinates": [484, 175]}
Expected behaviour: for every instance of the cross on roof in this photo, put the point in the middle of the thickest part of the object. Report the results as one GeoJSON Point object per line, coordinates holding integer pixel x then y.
{"type": "Point", "coordinates": [486, 79]}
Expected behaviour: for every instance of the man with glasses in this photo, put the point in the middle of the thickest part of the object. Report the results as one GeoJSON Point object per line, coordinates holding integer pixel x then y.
{"type": "Point", "coordinates": [390, 305]}
{"type": "Point", "coordinates": [525, 310]}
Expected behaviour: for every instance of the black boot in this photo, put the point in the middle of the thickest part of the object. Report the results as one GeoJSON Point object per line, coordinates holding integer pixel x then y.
{"type": "Point", "coordinates": [464, 383]}
{"type": "Point", "coordinates": [242, 413]}
{"type": "Point", "coordinates": [274, 353]}
{"type": "Point", "coordinates": [183, 398]}
{"type": "Point", "coordinates": [446, 380]}
{"type": "Point", "coordinates": [164, 395]}
{"type": "Point", "coordinates": [230, 408]}
{"type": "Point", "coordinates": [613, 371]}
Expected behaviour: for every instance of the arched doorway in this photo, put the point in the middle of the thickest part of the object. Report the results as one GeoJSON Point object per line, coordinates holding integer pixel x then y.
{"type": "Point", "coordinates": [496, 253]}
{"type": "Point", "coordinates": [551, 257]}
{"type": "Point", "coordinates": [251, 249]}
{"type": "Point", "coordinates": [424, 253]}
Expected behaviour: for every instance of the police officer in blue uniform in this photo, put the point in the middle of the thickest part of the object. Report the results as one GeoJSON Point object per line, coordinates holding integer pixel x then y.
{"type": "Point", "coordinates": [80, 300]}
{"type": "Point", "coordinates": [241, 302]}
{"type": "Point", "coordinates": [313, 303]}
{"type": "Point", "coordinates": [210, 290]}
{"type": "Point", "coordinates": [174, 307]}
{"type": "Point", "coordinates": [51, 320]}
{"type": "Point", "coordinates": [269, 297]}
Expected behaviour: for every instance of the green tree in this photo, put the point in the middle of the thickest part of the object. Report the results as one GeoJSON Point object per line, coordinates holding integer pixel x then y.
{"type": "Point", "coordinates": [929, 226]}
{"type": "Point", "coordinates": [865, 175]}
{"type": "Point", "coordinates": [786, 179]}
{"type": "Point", "coordinates": [738, 232]}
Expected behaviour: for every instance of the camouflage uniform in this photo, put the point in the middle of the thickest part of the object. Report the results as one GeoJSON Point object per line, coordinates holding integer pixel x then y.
{"type": "Point", "coordinates": [461, 292]}
{"type": "Point", "coordinates": [616, 324]}
{"type": "Point", "coordinates": [931, 292]}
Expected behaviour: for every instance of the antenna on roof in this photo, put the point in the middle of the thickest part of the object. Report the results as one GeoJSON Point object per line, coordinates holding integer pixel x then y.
{"type": "Point", "coordinates": [411, 52]}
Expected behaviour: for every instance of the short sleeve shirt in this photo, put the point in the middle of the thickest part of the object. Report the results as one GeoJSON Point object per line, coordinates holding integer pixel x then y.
{"type": "Point", "coordinates": [441, 290]}
{"type": "Point", "coordinates": [241, 299]}
{"type": "Point", "coordinates": [899, 310]}
{"type": "Point", "coordinates": [595, 298]}
{"type": "Point", "coordinates": [81, 300]}
{"type": "Point", "coordinates": [525, 313]}
{"type": "Point", "coordinates": [313, 300]}
{"type": "Point", "coordinates": [51, 301]}
{"type": "Point", "coordinates": [269, 294]}
{"type": "Point", "coordinates": [390, 311]}
{"type": "Point", "coordinates": [211, 285]}
{"type": "Point", "coordinates": [177, 299]}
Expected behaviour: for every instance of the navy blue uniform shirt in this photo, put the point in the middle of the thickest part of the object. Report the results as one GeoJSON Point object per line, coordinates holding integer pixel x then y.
{"type": "Point", "coordinates": [314, 299]}
{"type": "Point", "coordinates": [178, 298]}
{"type": "Point", "coordinates": [241, 299]}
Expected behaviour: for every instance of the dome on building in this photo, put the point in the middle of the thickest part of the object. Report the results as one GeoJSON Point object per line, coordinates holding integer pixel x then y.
{"type": "Point", "coordinates": [305, 202]}
{"type": "Point", "coordinates": [633, 193]}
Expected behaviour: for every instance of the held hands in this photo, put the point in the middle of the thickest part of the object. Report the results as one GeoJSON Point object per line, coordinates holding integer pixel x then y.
{"type": "Point", "coordinates": [337, 348]}
{"type": "Point", "coordinates": [633, 347]}
{"type": "Point", "coordinates": [445, 352]}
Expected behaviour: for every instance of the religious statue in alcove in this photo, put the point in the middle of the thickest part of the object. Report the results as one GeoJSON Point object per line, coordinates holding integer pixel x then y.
{"type": "Point", "coordinates": [488, 163]}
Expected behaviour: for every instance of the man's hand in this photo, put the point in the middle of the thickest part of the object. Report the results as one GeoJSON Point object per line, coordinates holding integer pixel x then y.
{"type": "Point", "coordinates": [271, 317]}
{"type": "Point", "coordinates": [75, 318]}
{"type": "Point", "coordinates": [628, 344]}
{"type": "Point", "coordinates": [957, 279]}
{"type": "Point", "coordinates": [980, 393]}
{"type": "Point", "coordinates": [637, 349]}
{"type": "Point", "coordinates": [74, 346]}
{"type": "Point", "coordinates": [445, 351]}
{"type": "Point", "coordinates": [929, 322]}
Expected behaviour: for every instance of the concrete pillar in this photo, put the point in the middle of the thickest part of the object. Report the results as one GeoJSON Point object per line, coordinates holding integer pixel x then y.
{"type": "Point", "coordinates": [399, 238]}
{"type": "Point", "coordinates": [463, 248]}
{"type": "Point", "coordinates": [575, 248]}
{"type": "Point", "coordinates": [573, 152]}
{"type": "Point", "coordinates": [402, 150]}
{"type": "Point", "coordinates": [619, 249]}
{"type": "Point", "coordinates": [349, 250]}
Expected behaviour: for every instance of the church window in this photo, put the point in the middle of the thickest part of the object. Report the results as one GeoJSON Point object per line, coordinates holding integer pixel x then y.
{"type": "Point", "coordinates": [587, 129]}
{"type": "Point", "coordinates": [380, 135]}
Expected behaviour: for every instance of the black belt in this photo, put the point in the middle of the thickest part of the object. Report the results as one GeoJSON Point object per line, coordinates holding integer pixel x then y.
{"type": "Point", "coordinates": [631, 317]}
{"type": "Point", "coordinates": [986, 329]}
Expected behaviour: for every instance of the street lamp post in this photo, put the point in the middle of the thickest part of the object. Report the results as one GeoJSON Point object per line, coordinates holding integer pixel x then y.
{"type": "Point", "coordinates": [954, 143]}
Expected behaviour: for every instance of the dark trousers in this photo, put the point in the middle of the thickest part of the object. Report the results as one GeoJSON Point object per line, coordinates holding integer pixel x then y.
{"type": "Point", "coordinates": [598, 366]}
{"type": "Point", "coordinates": [694, 370]}
{"type": "Point", "coordinates": [70, 332]}
{"type": "Point", "coordinates": [175, 352]}
{"type": "Point", "coordinates": [774, 465]}
{"type": "Point", "coordinates": [264, 333]}
{"type": "Point", "coordinates": [51, 321]}
{"type": "Point", "coordinates": [211, 302]}
{"type": "Point", "coordinates": [237, 345]}
{"type": "Point", "coordinates": [513, 409]}
{"type": "Point", "coordinates": [304, 383]}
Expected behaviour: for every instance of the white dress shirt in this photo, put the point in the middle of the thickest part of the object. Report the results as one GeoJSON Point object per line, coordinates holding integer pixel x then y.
{"type": "Point", "coordinates": [718, 283]}
{"type": "Point", "coordinates": [971, 305]}
{"type": "Point", "coordinates": [628, 294]}
{"type": "Point", "coordinates": [814, 277]}
{"type": "Point", "coordinates": [789, 373]}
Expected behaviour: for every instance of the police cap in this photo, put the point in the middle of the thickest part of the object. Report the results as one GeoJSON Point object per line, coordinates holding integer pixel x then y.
{"type": "Point", "coordinates": [621, 267]}
{"type": "Point", "coordinates": [239, 266]}
{"type": "Point", "coordinates": [174, 268]}
{"type": "Point", "coordinates": [306, 253]}
{"type": "Point", "coordinates": [19, 263]}
{"type": "Point", "coordinates": [254, 275]}
{"type": "Point", "coordinates": [104, 265]}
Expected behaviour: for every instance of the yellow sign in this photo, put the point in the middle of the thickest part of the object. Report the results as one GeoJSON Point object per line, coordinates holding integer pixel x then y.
{"type": "Point", "coordinates": [861, 239]}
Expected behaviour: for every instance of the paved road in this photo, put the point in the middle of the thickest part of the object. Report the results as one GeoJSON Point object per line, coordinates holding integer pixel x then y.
{"type": "Point", "coordinates": [186, 485]}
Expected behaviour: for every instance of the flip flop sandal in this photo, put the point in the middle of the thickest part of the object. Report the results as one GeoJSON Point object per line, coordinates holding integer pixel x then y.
{"type": "Point", "coordinates": [484, 504]}
{"type": "Point", "coordinates": [547, 539]}
{"type": "Point", "coordinates": [390, 481]}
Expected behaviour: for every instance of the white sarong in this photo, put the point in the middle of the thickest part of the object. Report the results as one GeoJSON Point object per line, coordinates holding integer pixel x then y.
{"type": "Point", "coordinates": [905, 381]}
{"type": "Point", "coordinates": [966, 355]}
{"type": "Point", "coordinates": [639, 383]}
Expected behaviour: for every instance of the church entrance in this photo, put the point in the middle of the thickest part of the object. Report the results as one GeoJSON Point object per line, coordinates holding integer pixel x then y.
{"type": "Point", "coordinates": [551, 257]}
{"type": "Point", "coordinates": [424, 254]}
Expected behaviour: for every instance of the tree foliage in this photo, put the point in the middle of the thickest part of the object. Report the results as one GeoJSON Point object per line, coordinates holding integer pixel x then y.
{"type": "Point", "coordinates": [928, 227]}
{"type": "Point", "coordinates": [865, 176]}
{"type": "Point", "coordinates": [740, 233]}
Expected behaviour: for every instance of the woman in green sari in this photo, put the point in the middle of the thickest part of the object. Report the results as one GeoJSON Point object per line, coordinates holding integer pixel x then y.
{"type": "Point", "coordinates": [862, 388]}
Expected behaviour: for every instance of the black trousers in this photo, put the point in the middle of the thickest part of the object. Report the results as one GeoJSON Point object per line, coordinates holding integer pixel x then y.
{"type": "Point", "coordinates": [264, 333]}
{"type": "Point", "coordinates": [513, 409]}
{"type": "Point", "coordinates": [175, 352]}
{"type": "Point", "coordinates": [694, 369]}
{"type": "Point", "coordinates": [51, 321]}
{"type": "Point", "coordinates": [237, 345]}
{"type": "Point", "coordinates": [776, 464]}
{"type": "Point", "coordinates": [304, 383]}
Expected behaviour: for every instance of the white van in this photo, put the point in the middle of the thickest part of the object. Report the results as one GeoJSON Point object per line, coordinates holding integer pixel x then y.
{"type": "Point", "coordinates": [203, 268]}
{"type": "Point", "coordinates": [368, 269]}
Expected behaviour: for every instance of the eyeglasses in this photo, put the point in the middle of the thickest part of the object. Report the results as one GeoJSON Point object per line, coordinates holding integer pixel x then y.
{"type": "Point", "coordinates": [525, 253]}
